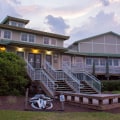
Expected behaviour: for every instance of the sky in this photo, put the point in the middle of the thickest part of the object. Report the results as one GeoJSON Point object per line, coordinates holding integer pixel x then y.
{"type": "Point", "coordinates": [78, 19]}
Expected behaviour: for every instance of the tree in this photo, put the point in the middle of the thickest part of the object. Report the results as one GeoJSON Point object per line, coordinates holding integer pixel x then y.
{"type": "Point", "coordinates": [12, 74]}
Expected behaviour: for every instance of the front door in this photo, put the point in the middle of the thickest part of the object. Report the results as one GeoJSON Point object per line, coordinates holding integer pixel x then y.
{"type": "Point", "coordinates": [34, 60]}
{"type": "Point", "coordinates": [49, 59]}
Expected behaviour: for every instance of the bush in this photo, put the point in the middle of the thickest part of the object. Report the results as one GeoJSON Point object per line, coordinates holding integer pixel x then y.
{"type": "Point", "coordinates": [111, 85]}
{"type": "Point", "coordinates": [12, 74]}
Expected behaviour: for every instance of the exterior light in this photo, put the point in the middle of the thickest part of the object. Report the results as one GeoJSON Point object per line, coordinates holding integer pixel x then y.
{"type": "Point", "coordinates": [20, 49]}
{"type": "Point", "coordinates": [2, 48]}
{"type": "Point", "coordinates": [35, 51]}
{"type": "Point", "coordinates": [48, 52]}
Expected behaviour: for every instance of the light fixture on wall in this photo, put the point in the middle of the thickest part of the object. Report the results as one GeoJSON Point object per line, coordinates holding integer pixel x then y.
{"type": "Point", "coordinates": [2, 48]}
{"type": "Point", "coordinates": [35, 51]}
{"type": "Point", "coordinates": [48, 52]}
{"type": "Point", "coordinates": [20, 49]}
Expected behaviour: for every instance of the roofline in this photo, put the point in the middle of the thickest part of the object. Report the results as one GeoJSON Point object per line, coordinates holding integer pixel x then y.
{"type": "Point", "coordinates": [31, 45]}
{"type": "Point", "coordinates": [92, 54]}
{"type": "Point", "coordinates": [63, 37]}
{"type": "Point", "coordinates": [15, 19]}
{"type": "Point", "coordinates": [95, 37]}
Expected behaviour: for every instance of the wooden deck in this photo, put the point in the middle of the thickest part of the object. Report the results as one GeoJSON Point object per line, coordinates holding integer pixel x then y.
{"type": "Point", "coordinates": [93, 101]}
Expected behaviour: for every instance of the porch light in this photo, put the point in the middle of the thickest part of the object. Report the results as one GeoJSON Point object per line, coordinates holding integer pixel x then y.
{"type": "Point", "coordinates": [20, 49]}
{"type": "Point", "coordinates": [2, 48]}
{"type": "Point", "coordinates": [35, 51]}
{"type": "Point", "coordinates": [48, 52]}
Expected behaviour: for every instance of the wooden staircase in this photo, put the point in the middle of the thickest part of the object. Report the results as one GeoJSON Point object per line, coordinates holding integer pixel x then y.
{"type": "Point", "coordinates": [62, 86]}
{"type": "Point", "coordinates": [86, 89]}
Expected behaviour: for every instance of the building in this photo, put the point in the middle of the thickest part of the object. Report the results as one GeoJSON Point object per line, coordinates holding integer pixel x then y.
{"type": "Point", "coordinates": [48, 61]}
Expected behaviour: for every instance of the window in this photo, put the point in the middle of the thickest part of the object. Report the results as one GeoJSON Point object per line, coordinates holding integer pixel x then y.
{"type": "Point", "coordinates": [88, 61]}
{"type": "Point", "coordinates": [53, 41]}
{"type": "Point", "coordinates": [13, 23]}
{"type": "Point", "coordinates": [24, 37]}
{"type": "Point", "coordinates": [21, 54]}
{"type": "Point", "coordinates": [31, 38]}
{"type": "Point", "coordinates": [7, 34]}
{"type": "Point", "coordinates": [102, 62]}
{"type": "Point", "coordinates": [110, 62]}
{"type": "Point", "coordinates": [20, 25]}
{"type": "Point", "coordinates": [115, 62]}
{"type": "Point", "coordinates": [96, 60]}
{"type": "Point", "coordinates": [50, 41]}
{"type": "Point", "coordinates": [46, 40]}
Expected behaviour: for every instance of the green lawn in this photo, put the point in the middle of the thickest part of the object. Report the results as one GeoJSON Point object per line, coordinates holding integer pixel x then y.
{"type": "Point", "coordinates": [25, 115]}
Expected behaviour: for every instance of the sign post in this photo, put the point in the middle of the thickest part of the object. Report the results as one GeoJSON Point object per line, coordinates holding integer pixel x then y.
{"type": "Point", "coordinates": [62, 100]}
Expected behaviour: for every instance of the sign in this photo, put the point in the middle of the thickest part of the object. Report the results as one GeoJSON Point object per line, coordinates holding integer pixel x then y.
{"type": "Point", "coordinates": [62, 98]}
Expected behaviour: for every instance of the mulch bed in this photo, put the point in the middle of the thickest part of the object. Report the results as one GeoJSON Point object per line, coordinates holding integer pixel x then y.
{"type": "Point", "coordinates": [18, 103]}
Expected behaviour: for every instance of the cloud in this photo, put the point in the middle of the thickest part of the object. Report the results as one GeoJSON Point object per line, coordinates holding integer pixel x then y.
{"type": "Point", "coordinates": [105, 2]}
{"type": "Point", "coordinates": [57, 24]}
{"type": "Point", "coordinates": [102, 22]}
{"type": "Point", "coordinates": [8, 9]}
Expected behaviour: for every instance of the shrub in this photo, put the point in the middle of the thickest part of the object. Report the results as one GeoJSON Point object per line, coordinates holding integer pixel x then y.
{"type": "Point", "coordinates": [12, 74]}
{"type": "Point", "coordinates": [111, 85]}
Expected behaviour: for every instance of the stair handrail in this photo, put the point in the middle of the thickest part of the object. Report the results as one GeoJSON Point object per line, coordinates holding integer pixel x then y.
{"type": "Point", "coordinates": [30, 70]}
{"type": "Point", "coordinates": [39, 74]}
{"type": "Point", "coordinates": [93, 82]}
{"type": "Point", "coordinates": [50, 70]}
{"type": "Point", "coordinates": [47, 81]}
{"type": "Point", "coordinates": [63, 75]}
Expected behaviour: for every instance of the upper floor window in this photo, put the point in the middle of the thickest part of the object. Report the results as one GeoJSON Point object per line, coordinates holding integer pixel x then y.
{"type": "Point", "coordinates": [46, 40]}
{"type": "Point", "coordinates": [13, 23]}
{"type": "Point", "coordinates": [20, 25]}
{"type": "Point", "coordinates": [7, 34]}
{"type": "Point", "coordinates": [50, 41]}
{"type": "Point", "coordinates": [27, 37]}
{"type": "Point", "coordinates": [24, 37]}
{"type": "Point", "coordinates": [31, 38]}
{"type": "Point", "coordinates": [53, 41]}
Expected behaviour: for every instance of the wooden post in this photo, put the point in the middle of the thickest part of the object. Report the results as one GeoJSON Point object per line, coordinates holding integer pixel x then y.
{"type": "Point", "coordinates": [26, 98]}
{"type": "Point", "coordinates": [90, 101]}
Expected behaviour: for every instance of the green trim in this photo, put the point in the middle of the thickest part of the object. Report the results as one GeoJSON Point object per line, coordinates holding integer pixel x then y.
{"type": "Point", "coordinates": [93, 54]}
{"type": "Point", "coordinates": [32, 45]}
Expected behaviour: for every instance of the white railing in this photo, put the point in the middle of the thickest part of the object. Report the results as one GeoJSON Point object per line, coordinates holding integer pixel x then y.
{"type": "Point", "coordinates": [86, 76]}
{"type": "Point", "coordinates": [40, 74]}
{"type": "Point", "coordinates": [63, 75]}
{"type": "Point", "coordinates": [50, 70]}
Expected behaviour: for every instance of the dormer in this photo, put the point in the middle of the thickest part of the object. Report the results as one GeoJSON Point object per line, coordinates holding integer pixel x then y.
{"type": "Point", "coordinates": [15, 21]}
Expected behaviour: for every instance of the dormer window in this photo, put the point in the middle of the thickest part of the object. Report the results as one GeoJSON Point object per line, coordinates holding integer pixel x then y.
{"type": "Point", "coordinates": [13, 23]}
{"type": "Point", "coordinates": [7, 34]}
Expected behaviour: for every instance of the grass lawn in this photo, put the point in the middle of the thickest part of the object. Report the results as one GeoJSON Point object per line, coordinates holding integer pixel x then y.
{"type": "Point", "coordinates": [25, 115]}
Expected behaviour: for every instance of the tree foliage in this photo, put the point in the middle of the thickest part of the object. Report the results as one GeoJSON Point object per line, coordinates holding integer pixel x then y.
{"type": "Point", "coordinates": [12, 74]}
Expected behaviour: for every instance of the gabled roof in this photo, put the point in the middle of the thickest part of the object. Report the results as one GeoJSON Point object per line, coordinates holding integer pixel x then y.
{"type": "Point", "coordinates": [8, 18]}
{"type": "Point", "coordinates": [20, 29]}
{"type": "Point", "coordinates": [83, 40]}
